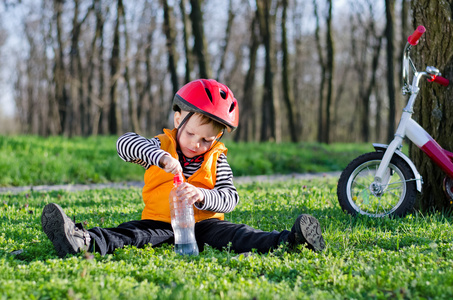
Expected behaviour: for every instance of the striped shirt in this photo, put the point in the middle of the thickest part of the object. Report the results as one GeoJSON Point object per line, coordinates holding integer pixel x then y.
{"type": "Point", "coordinates": [223, 198]}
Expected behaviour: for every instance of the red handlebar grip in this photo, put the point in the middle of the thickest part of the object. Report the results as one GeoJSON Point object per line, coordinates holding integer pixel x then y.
{"type": "Point", "coordinates": [413, 39]}
{"type": "Point", "coordinates": [441, 80]}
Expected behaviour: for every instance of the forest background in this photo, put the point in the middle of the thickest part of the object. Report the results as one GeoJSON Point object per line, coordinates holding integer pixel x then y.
{"type": "Point", "coordinates": [302, 70]}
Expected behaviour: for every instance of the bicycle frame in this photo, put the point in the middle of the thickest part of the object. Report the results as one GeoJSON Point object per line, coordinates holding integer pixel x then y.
{"type": "Point", "coordinates": [410, 128]}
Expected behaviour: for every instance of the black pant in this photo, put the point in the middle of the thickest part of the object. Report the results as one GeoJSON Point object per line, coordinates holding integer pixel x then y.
{"type": "Point", "coordinates": [213, 232]}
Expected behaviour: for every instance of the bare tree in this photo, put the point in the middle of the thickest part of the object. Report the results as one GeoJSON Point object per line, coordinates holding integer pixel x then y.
{"type": "Point", "coordinates": [300, 64]}
{"type": "Point", "coordinates": [29, 100]}
{"type": "Point", "coordinates": [322, 63]}
{"type": "Point", "coordinates": [102, 69]}
{"type": "Point", "coordinates": [246, 130]}
{"type": "Point", "coordinates": [171, 44]}
{"type": "Point", "coordinates": [131, 94]}
{"type": "Point", "coordinates": [226, 41]}
{"type": "Point", "coordinates": [76, 109]}
{"type": "Point", "coordinates": [365, 40]}
{"type": "Point", "coordinates": [59, 67]}
{"type": "Point", "coordinates": [145, 95]}
{"type": "Point", "coordinates": [266, 19]}
{"type": "Point", "coordinates": [200, 47]}
{"type": "Point", "coordinates": [329, 71]}
{"type": "Point", "coordinates": [389, 34]}
{"type": "Point", "coordinates": [187, 52]}
{"type": "Point", "coordinates": [287, 95]}
{"type": "Point", "coordinates": [115, 122]}
{"type": "Point", "coordinates": [95, 97]}
{"type": "Point", "coordinates": [326, 61]}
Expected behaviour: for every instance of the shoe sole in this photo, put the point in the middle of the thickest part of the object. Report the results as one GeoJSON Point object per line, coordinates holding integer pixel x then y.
{"type": "Point", "coordinates": [55, 227]}
{"type": "Point", "coordinates": [311, 231]}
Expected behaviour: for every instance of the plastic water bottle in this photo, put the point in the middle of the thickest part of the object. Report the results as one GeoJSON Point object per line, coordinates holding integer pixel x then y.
{"type": "Point", "coordinates": [182, 221]}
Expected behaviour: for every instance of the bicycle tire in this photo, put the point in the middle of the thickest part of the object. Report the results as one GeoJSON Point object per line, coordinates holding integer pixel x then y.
{"type": "Point", "coordinates": [356, 196]}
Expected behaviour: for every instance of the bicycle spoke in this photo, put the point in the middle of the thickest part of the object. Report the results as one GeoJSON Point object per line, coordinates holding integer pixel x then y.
{"type": "Point", "coordinates": [377, 211]}
{"type": "Point", "coordinates": [366, 183]}
{"type": "Point", "coordinates": [401, 182]}
{"type": "Point", "coordinates": [359, 185]}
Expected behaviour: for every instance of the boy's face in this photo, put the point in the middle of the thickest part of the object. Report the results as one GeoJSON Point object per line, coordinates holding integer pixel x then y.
{"type": "Point", "coordinates": [195, 138]}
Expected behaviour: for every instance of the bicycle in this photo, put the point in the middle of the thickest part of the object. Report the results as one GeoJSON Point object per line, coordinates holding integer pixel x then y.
{"type": "Point", "coordinates": [385, 182]}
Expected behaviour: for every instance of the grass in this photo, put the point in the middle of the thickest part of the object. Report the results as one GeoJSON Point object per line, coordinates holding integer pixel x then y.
{"type": "Point", "coordinates": [365, 258]}
{"type": "Point", "coordinates": [284, 158]}
{"type": "Point", "coordinates": [32, 160]}
{"type": "Point", "coordinates": [408, 258]}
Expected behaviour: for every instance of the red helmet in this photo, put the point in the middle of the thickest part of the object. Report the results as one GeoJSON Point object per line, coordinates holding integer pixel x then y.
{"type": "Point", "coordinates": [210, 98]}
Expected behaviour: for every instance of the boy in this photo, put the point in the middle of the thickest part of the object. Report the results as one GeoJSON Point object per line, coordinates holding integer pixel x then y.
{"type": "Point", "coordinates": [203, 110]}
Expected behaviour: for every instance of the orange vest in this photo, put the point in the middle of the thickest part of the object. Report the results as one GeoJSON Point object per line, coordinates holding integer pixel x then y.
{"type": "Point", "coordinates": [159, 183]}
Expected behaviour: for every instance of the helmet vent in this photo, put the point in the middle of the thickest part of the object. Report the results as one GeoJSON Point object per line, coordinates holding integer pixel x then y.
{"type": "Point", "coordinates": [223, 94]}
{"type": "Point", "coordinates": [232, 106]}
{"type": "Point", "coordinates": [209, 94]}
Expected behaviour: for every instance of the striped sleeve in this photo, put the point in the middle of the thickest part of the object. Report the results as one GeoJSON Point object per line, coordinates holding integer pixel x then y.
{"type": "Point", "coordinates": [134, 148]}
{"type": "Point", "coordinates": [224, 197]}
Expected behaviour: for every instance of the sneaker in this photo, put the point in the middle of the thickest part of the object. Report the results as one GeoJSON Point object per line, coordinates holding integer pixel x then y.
{"type": "Point", "coordinates": [67, 237]}
{"type": "Point", "coordinates": [307, 230]}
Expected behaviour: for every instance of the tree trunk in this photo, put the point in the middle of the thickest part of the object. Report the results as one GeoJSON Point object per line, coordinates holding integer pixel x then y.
{"type": "Point", "coordinates": [200, 47]}
{"type": "Point", "coordinates": [74, 121]}
{"type": "Point", "coordinates": [95, 100]}
{"type": "Point", "coordinates": [389, 33]}
{"type": "Point", "coordinates": [329, 72]}
{"type": "Point", "coordinates": [379, 107]}
{"type": "Point", "coordinates": [226, 41]}
{"type": "Point", "coordinates": [59, 67]}
{"type": "Point", "coordinates": [370, 87]}
{"type": "Point", "coordinates": [131, 94]}
{"type": "Point", "coordinates": [185, 28]}
{"type": "Point", "coordinates": [114, 109]}
{"type": "Point", "coordinates": [434, 106]}
{"type": "Point", "coordinates": [302, 104]}
{"type": "Point", "coordinates": [52, 118]}
{"type": "Point", "coordinates": [72, 109]}
{"type": "Point", "coordinates": [287, 95]}
{"type": "Point", "coordinates": [29, 103]}
{"type": "Point", "coordinates": [246, 130]}
{"type": "Point", "coordinates": [146, 97]}
{"type": "Point", "coordinates": [268, 124]}
{"type": "Point", "coordinates": [169, 29]}
{"type": "Point", "coordinates": [321, 117]}
{"type": "Point", "coordinates": [365, 41]}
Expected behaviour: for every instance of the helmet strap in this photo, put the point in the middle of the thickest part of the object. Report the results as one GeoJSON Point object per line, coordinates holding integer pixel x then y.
{"type": "Point", "coordinates": [220, 135]}
{"type": "Point", "coordinates": [218, 138]}
{"type": "Point", "coordinates": [186, 118]}
{"type": "Point", "coordinates": [183, 122]}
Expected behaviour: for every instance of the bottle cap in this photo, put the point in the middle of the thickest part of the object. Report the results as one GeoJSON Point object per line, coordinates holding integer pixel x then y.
{"type": "Point", "coordinates": [178, 179]}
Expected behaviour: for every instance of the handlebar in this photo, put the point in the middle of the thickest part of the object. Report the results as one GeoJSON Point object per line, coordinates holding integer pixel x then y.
{"type": "Point", "coordinates": [413, 39]}
{"type": "Point", "coordinates": [439, 79]}
{"type": "Point", "coordinates": [431, 73]}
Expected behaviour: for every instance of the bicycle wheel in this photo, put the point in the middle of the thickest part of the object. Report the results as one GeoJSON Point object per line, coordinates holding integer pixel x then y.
{"type": "Point", "coordinates": [357, 193]}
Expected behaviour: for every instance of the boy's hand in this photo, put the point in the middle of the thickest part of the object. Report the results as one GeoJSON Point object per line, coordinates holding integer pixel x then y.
{"type": "Point", "coordinates": [170, 165]}
{"type": "Point", "coordinates": [189, 193]}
